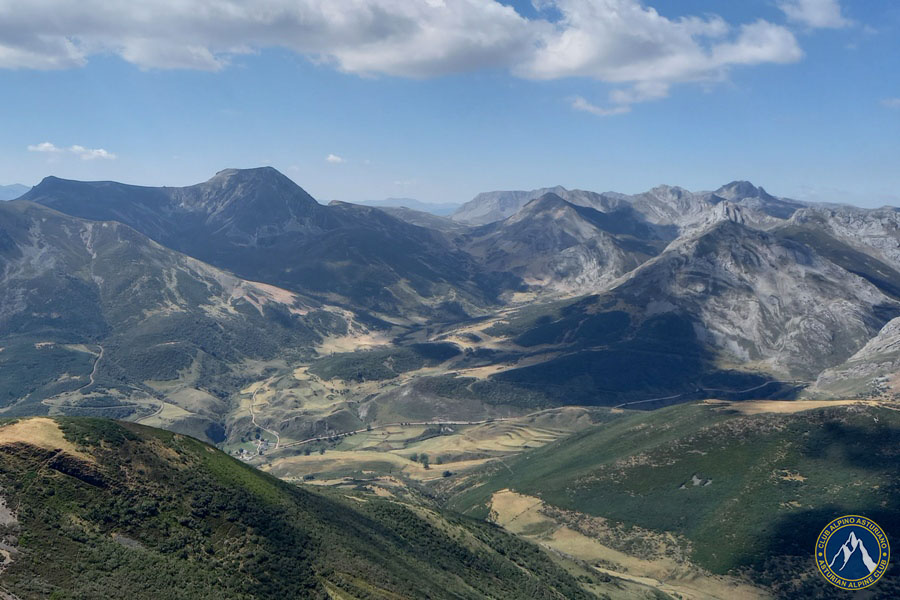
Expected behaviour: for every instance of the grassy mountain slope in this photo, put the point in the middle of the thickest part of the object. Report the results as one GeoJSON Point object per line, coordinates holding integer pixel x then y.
{"type": "Point", "coordinates": [735, 493]}
{"type": "Point", "coordinates": [93, 313]}
{"type": "Point", "coordinates": [99, 509]}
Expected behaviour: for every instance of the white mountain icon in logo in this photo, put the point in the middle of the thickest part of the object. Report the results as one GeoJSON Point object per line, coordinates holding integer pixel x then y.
{"type": "Point", "coordinates": [849, 548]}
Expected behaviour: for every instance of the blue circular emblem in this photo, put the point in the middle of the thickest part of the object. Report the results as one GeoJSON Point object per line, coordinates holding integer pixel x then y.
{"type": "Point", "coordinates": [852, 552]}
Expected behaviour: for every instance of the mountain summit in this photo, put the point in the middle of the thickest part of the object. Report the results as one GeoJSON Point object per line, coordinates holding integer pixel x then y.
{"type": "Point", "coordinates": [263, 226]}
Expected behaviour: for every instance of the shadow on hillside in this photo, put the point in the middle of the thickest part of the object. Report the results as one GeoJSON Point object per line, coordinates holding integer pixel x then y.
{"type": "Point", "coordinates": [659, 364]}
{"type": "Point", "coordinates": [789, 548]}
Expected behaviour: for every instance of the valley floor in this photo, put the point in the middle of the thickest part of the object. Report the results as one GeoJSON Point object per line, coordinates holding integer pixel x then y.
{"type": "Point", "coordinates": [463, 456]}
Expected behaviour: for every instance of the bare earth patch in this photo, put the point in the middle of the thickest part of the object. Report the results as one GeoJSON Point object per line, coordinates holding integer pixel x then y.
{"type": "Point", "coordinates": [41, 432]}
{"type": "Point", "coordinates": [755, 407]}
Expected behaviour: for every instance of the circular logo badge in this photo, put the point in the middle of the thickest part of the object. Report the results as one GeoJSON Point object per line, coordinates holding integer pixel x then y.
{"type": "Point", "coordinates": [852, 552]}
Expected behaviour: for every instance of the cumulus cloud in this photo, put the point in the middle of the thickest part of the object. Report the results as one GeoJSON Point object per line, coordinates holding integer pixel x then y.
{"type": "Point", "coordinates": [622, 42]}
{"type": "Point", "coordinates": [891, 103]}
{"type": "Point", "coordinates": [334, 159]}
{"type": "Point", "coordinates": [91, 153]}
{"type": "Point", "coordinates": [44, 147]}
{"type": "Point", "coordinates": [626, 43]}
{"type": "Point", "coordinates": [409, 38]}
{"type": "Point", "coordinates": [815, 14]}
{"type": "Point", "coordinates": [80, 151]}
{"type": "Point", "coordinates": [633, 45]}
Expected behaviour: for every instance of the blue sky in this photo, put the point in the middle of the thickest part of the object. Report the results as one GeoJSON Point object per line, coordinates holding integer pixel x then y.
{"type": "Point", "coordinates": [365, 99]}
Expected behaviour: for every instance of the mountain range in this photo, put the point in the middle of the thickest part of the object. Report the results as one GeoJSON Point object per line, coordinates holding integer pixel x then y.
{"type": "Point", "coordinates": [566, 296]}
{"type": "Point", "coordinates": [524, 343]}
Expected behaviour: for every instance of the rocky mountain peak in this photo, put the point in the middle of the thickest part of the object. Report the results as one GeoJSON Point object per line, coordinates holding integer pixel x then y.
{"type": "Point", "coordinates": [255, 174]}
{"type": "Point", "coordinates": [670, 192]}
{"type": "Point", "coordinates": [549, 200]}
{"type": "Point", "coordinates": [738, 190]}
{"type": "Point", "coordinates": [244, 186]}
{"type": "Point", "coordinates": [247, 204]}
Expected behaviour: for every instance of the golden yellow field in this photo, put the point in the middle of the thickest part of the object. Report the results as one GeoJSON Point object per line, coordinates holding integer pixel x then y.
{"type": "Point", "coordinates": [458, 448]}
{"type": "Point", "coordinates": [755, 407]}
{"type": "Point", "coordinates": [40, 432]}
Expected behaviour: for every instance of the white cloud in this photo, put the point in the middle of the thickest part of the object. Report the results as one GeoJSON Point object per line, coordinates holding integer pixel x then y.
{"type": "Point", "coordinates": [815, 14]}
{"type": "Point", "coordinates": [80, 151]}
{"type": "Point", "coordinates": [43, 147]}
{"type": "Point", "coordinates": [579, 103]}
{"type": "Point", "coordinates": [91, 153]}
{"type": "Point", "coordinates": [334, 159]}
{"type": "Point", "coordinates": [891, 103]}
{"type": "Point", "coordinates": [622, 42]}
{"type": "Point", "coordinates": [395, 37]}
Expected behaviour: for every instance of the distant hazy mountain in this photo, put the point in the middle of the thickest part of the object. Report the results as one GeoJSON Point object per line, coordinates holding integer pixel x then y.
{"type": "Point", "coordinates": [663, 205]}
{"type": "Point", "coordinates": [873, 231]}
{"type": "Point", "coordinates": [434, 208]}
{"type": "Point", "coordinates": [557, 245]}
{"type": "Point", "coordinates": [732, 309]}
{"type": "Point", "coordinates": [11, 192]}
{"type": "Point", "coordinates": [424, 219]}
{"type": "Point", "coordinates": [263, 226]}
{"type": "Point", "coordinates": [488, 207]}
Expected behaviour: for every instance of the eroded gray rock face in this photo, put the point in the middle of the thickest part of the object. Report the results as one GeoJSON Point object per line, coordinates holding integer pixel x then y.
{"type": "Point", "coordinates": [873, 231]}
{"type": "Point", "coordinates": [557, 246]}
{"type": "Point", "coordinates": [103, 309]}
{"type": "Point", "coordinates": [761, 301]}
{"type": "Point", "coordinates": [770, 283]}
{"type": "Point", "coordinates": [870, 370]}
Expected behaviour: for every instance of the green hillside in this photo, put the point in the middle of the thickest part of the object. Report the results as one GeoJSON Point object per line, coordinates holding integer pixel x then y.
{"type": "Point", "coordinates": [99, 509]}
{"type": "Point", "coordinates": [741, 494]}
{"type": "Point", "coordinates": [98, 320]}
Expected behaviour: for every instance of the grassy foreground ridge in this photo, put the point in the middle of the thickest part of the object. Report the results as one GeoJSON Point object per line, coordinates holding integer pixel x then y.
{"type": "Point", "coordinates": [98, 509]}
